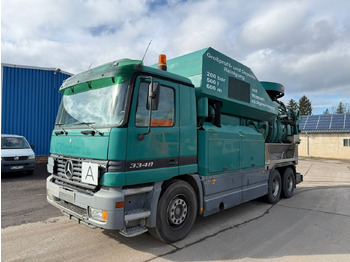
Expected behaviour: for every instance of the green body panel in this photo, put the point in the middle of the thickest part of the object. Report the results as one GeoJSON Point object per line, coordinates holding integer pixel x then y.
{"type": "Point", "coordinates": [113, 179]}
{"type": "Point", "coordinates": [229, 148]}
{"type": "Point", "coordinates": [210, 71]}
{"type": "Point", "coordinates": [117, 144]}
{"type": "Point", "coordinates": [76, 144]}
{"type": "Point", "coordinates": [153, 175]}
{"type": "Point", "coordinates": [188, 128]}
{"type": "Point", "coordinates": [252, 149]}
{"type": "Point", "coordinates": [188, 169]}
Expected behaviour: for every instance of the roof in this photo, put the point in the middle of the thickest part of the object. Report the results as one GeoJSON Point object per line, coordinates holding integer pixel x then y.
{"type": "Point", "coordinates": [36, 68]}
{"type": "Point", "coordinates": [335, 123]}
{"type": "Point", "coordinates": [116, 72]}
{"type": "Point", "coordinates": [6, 135]}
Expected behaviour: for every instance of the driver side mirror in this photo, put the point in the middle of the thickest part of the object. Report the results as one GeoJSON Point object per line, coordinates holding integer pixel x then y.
{"type": "Point", "coordinates": [153, 95]}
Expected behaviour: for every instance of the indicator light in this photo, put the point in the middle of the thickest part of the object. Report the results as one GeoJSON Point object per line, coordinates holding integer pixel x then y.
{"type": "Point", "coordinates": [162, 62]}
{"type": "Point", "coordinates": [119, 204]}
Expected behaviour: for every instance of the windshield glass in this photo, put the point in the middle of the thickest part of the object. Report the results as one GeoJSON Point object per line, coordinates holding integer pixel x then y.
{"type": "Point", "coordinates": [14, 143]}
{"type": "Point", "coordinates": [100, 107]}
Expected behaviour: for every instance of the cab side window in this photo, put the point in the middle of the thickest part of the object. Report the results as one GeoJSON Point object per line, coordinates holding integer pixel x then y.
{"type": "Point", "coordinates": [164, 115]}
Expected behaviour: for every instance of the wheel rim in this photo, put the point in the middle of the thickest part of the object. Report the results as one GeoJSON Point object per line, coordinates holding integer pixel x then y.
{"type": "Point", "coordinates": [177, 210]}
{"type": "Point", "coordinates": [275, 187]}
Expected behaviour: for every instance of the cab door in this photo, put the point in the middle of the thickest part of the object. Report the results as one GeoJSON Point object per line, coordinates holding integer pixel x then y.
{"type": "Point", "coordinates": [153, 156]}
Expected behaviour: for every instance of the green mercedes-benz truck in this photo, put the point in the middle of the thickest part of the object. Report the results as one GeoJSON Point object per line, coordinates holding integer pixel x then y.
{"type": "Point", "coordinates": [140, 148]}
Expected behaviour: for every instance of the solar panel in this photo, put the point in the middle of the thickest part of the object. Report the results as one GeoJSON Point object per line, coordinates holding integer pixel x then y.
{"type": "Point", "coordinates": [347, 121]}
{"type": "Point", "coordinates": [329, 123]}
{"type": "Point", "coordinates": [337, 122]}
{"type": "Point", "coordinates": [303, 121]}
{"type": "Point", "coordinates": [311, 122]}
{"type": "Point", "coordinates": [324, 122]}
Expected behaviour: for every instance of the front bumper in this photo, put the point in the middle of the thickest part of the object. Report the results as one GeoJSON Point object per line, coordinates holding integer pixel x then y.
{"type": "Point", "coordinates": [76, 204]}
{"type": "Point", "coordinates": [17, 166]}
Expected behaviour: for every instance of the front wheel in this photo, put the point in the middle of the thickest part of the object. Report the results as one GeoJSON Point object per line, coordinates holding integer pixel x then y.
{"type": "Point", "coordinates": [176, 213]}
{"type": "Point", "coordinates": [275, 187]}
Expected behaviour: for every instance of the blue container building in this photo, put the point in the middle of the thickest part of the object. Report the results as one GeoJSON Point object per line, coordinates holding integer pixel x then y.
{"type": "Point", "coordinates": [30, 101]}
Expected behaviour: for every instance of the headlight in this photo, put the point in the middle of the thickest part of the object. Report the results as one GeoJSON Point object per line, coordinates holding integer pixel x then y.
{"type": "Point", "coordinates": [31, 157]}
{"type": "Point", "coordinates": [50, 161]}
{"type": "Point", "coordinates": [50, 165]}
{"type": "Point", "coordinates": [98, 214]}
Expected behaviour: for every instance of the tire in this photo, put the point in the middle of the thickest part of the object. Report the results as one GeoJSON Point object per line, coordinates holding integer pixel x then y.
{"type": "Point", "coordinates": [176, 212]}
{"type": "Point", "coordinates": [275, 187]}
{"type": "Point", "coordinates": [288, 183]}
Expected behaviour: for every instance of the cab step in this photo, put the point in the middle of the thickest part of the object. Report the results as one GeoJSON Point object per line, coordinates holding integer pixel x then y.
{"type": "Point", "coordinates": [136, 214]}
{"type": "Point", "coordinates": [133, 231]}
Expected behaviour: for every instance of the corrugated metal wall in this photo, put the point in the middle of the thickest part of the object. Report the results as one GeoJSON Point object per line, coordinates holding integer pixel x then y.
{"type": "Point", "coordinates": [30, 101]}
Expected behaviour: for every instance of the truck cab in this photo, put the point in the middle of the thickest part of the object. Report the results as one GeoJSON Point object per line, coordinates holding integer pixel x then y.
{"type": "Point", "coordinates": [111, 142]}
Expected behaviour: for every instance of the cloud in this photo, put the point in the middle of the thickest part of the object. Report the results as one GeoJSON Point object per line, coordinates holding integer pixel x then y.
{"type": "Point", "coordinates": [272, 27]}
{"type": "Point", "coordinates": [303, 44]}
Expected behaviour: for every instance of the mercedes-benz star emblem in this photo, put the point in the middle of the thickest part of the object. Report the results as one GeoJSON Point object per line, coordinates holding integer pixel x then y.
{"type": "Point", "coordinates": [16, 158]}
{"type": "Point", "coordinates": [69, 169]}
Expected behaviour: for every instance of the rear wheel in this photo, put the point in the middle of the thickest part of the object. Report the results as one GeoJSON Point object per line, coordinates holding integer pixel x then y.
{"type": "Point", "coordinates": [176, 213]}
{"type": "Point", "coordinates": [288, 182]}
{"type": "Point", "coordinates": [275, 187]}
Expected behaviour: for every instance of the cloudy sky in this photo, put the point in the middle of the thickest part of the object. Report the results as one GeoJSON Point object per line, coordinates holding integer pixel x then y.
{"type": "Point", "coordinates": [304, 45]}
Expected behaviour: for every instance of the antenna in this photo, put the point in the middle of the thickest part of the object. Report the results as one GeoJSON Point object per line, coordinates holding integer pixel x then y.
{"type": "Point", "coordinates": [146, 50]}
{"type": "Point", "coordinates": [90, 66]}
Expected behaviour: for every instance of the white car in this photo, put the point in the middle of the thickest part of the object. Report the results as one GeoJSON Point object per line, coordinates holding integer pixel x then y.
{"type": "Point", "coordinates": [16, 154]}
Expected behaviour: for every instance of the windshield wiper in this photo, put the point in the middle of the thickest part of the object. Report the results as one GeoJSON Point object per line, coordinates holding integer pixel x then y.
{"type": "Point", "coordinates": [64, 132]}
{"type": "Point", "coordinates": [90, 124]}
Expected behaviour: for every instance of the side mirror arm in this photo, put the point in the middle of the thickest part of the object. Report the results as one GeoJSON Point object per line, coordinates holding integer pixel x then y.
{"type": "Point", "coordinates": [141, 136]}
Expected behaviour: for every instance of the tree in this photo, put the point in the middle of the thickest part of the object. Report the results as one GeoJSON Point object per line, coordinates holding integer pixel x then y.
{"type": "Point", "coordinates": [326, 112]}
{"type": "Point", "coordinates": [341, 109]}
{"type": "Point", "coordinates": [292, 105]}
{"type": "Point", "coordinates": [305, 107]}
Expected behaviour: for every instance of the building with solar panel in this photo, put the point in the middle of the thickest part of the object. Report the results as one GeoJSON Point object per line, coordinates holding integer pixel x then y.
{"type": "Point", "coordinates": [325, 136]}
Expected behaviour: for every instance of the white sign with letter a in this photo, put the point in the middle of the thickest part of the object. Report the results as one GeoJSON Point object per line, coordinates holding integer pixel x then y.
{"type": "Point", "coordinates": [89, 173]}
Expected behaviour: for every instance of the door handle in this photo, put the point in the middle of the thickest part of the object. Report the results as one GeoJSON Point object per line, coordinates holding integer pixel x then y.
{"type": "Point", "coordinates": [173, 162]}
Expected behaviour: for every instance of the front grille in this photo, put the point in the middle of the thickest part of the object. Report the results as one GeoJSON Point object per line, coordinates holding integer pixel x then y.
{"type": "Point", "coordinates": [18, 164]}
{"type": "Point", "coordinates": [78, 210]}
{"type": "Point", "coordinates": [75, 181]}
{"type": "Point", "coordinates": [13, 158]}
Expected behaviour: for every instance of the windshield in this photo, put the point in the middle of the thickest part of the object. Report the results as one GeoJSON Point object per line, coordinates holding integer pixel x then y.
{"type": "Point", "coordinates": [101, 107]}
{"type": "Point", "coordinates": [14, 143]}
